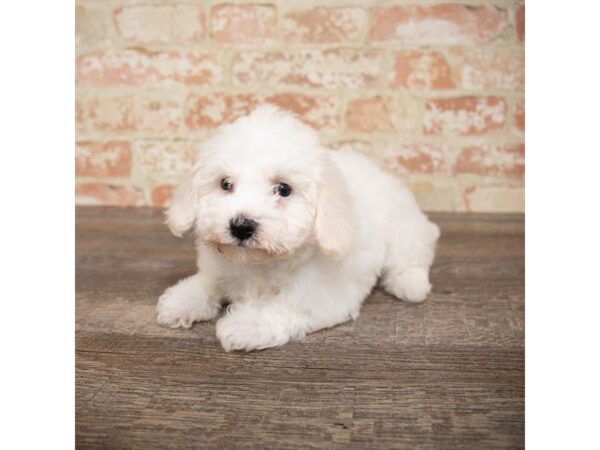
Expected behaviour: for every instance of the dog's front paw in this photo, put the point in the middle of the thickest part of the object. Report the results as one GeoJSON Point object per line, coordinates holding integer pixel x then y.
{"type": "Point", "coordinates": [247, 331]}
{"type": "Point", "coordinates": [414, 285]}
{"type": "Point", "coordinates": [175, 310]}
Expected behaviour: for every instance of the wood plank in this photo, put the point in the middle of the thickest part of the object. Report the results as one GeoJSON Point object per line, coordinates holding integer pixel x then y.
{"type": "Point", "coordinates": [448, 373]}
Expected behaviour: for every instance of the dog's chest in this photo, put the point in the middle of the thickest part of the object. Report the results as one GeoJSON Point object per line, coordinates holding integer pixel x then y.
{"type": "Point", "coordinates": [251, 283]}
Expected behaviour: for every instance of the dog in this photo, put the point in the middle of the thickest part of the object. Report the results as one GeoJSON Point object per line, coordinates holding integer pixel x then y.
{"type": "Point", "coordinates": [291, 235]}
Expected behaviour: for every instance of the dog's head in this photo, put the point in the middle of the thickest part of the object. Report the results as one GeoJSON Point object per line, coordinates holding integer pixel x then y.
{"type": "Point", "coordinates": [263, 187]}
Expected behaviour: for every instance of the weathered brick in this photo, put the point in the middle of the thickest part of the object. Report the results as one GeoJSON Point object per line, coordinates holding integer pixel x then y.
{"type": "Point", "coordinates": [435, 46]}
{"type": "Point", "coordinates": [494, 198]}
{"type": "Point", "coordinates": [92, 25]}
{"type": "Point", "coordinates": [370, 115]}
{"type": "Point", "coordinates": [144, 68]}
{"type": "Point", "coordinates": [486, 68]}
{"type": "Point", "coordinates": [520, 18]}
{"type": "Point", "coordinates": [80, 114]}
{"type": "Point", "coordinates": [164, 160]}
{"type": "Point", "coordinates": [105, 113]}
{"type": "Point", "coordinates": [211, 110]}
{"type": "Point", "coordinates": [243, 24]}
{"type": "Point", "coordinates": [161, 195]}
{"type": "Point", "coordinates": [158, 114]}
{"type": "Point", "coordinates": [317, 111]}
{"type": "Point", "coordinates": [160, 23]}
{"type": "Point", "coordinates": [416, 158]}
{"type": "Point", "coordinates": [519, 121]}
{"type": "Point", "coordinates": [361, 146]}
{"type": "Point", "coordinates": [333, 69]}
{"type": "Point", "coordinates": [324, 25]}
{"type": "Point", "coordinates": [439, 24]}
{"type": "Point", "coordinates": [492, 160]}
{"type": "Point", "coordinates": [108, 195]}
{"type": "Point", "coordinates": [422, 69]}
{"type": "Point", "coordinates": [464, 115]}
{"type": "Point", "coordinates": [104, 159]}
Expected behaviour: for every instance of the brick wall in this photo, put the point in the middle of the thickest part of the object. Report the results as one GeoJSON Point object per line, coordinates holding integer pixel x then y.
{"type": "Point", "coordinates": [432, 90]}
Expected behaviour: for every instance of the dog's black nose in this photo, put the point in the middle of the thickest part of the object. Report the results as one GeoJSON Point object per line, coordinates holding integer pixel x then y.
{"type": "Point", "coordinates": [242, 228]}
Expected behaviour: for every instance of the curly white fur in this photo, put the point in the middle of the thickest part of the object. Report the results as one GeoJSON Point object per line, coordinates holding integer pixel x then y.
{"type": "Point", "coordinates": [316, 254]}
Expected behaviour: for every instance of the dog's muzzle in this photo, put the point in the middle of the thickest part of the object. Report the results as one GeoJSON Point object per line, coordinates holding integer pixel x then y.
{"type": "Point", "coordinates": [242, 228]}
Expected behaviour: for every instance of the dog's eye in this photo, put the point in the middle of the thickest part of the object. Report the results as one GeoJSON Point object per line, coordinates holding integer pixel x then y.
{"type": "Point", "coordinates": [226, 184]}
{"type": "Point", "coordinates": [283, 189]}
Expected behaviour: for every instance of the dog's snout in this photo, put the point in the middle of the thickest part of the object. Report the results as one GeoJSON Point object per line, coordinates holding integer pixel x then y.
{"type": "Point", "coordinates": [242, 227]}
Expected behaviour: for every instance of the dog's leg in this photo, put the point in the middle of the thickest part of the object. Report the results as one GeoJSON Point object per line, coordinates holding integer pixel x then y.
{"type": "Point", "coordinates": [187, 302]}
{"type": "Point", "coordinates": [410, 255]}
{"type": "Point", "coordinates": [288, 316]}
{"type": "Point", "coordinates": [250, 327]}
{"type": "Point", "coordinates": [411, 284]}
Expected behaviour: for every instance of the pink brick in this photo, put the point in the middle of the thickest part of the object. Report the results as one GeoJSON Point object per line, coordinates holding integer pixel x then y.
{"type": "Point", "coordinates": [317, 111]}
{"type": "Point", "coordinates": [108, 195]}
{"type": "Point", "coordinates": [144, 68]}
{"type": "Point", "coordinates": [80, 114]}
{"type": "Point", "coordinates": [519, 121]}
{"type": "Point", "coordinates": [243, 24]}
{"type": "Point", "coordinates": [159, 160]}
{"type": "Point", "coordinates": [160, 23]}
{"type": "Point", "coordinates": [105, 113]}
{"type": "Point", "coordinates": [492, 160]}
{"type": "Point", "coordinates": [416, 158]}
{"type": "Point", "coordinates": [108, 159]}
{"type": "Point", "coordinates": [360, 146]}
{"type": "Point", "coordinates": [422, 69]}
{"type": "Point", "coordinates": [493, 69]}
{"type": "Point", "coordinates": [332, 69]}
{"type": "Point", "coordinates": [324, 25]}
{"type": "Point", "coordinates": [464, 115]}
{"type": "Point", "coordinates": [520, 19]}
{"type": "Point", "coordinates": [155, 114]}
{"type": "Point", "coordinates": [441, 24]}
{"type": "Point", "coordinates": [161, 195]}
{"type": "Point", "coordinates": [370, 115]}
{"type": "Point", "coordinates": [211, 110]}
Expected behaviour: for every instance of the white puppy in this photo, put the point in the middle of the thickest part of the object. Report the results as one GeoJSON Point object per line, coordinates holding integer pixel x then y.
{"type": "Point", "coordinates": [293, 236]}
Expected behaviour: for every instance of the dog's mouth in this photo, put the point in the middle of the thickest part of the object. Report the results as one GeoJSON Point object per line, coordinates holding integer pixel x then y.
{"type": "Point", "coordinates": [255, 248]}
{"type": "Point", "coordinates": [247, 250]}
{"type": "Point", "coordinates": [234, 245]}
{"type": "Point", "coordinates": [248, 243]}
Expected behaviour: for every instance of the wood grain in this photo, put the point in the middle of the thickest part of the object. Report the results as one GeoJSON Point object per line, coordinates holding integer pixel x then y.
{"type": "Point", "coordinates": [448, 373]}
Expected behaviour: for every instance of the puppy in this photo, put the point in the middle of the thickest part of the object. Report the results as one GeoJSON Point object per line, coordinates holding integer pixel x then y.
{"type": "Point", "coordinates": [292, 235]}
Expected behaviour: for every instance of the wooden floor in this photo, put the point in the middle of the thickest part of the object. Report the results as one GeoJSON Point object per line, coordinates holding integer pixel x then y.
{"type": "Point", "coordinates": [448, 373]}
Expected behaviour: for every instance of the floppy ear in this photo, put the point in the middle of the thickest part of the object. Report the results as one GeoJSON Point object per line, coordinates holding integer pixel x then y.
{"type": "Point", "coordinates": [333, 224]}
{"type": "Point", "coordinates": [182, 212]}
